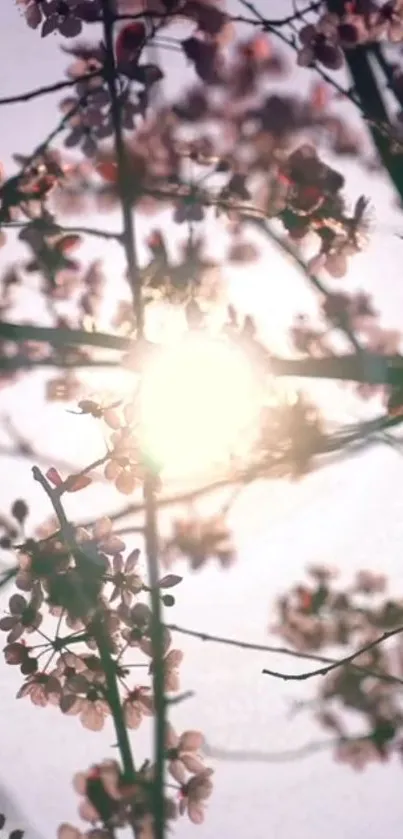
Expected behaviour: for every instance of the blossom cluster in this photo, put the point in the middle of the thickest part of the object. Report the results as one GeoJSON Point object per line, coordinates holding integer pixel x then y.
{"type": "Point", "coordinates": [79, 598]}
{"type": "Point", "coordinates": [362, 22]}
{"type": "Point", "coordinates": [317, 615]}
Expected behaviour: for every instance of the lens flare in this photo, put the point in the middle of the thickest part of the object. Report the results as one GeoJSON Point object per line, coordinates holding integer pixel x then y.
{"type": "Point", "coordinates": [200, 404]}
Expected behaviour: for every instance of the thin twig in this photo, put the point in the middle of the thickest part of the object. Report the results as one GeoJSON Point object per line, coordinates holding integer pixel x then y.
{"type": "Point", "coordinates": [268, 648]}
{"type": "Point", "coordinates": [43, 91]}
{"type": "Point", "coordinates": [43, 146]}
{"type": "Point", "coordinates": [323, 671]}
{"type": "Point", "coordinates": [270, 26]}
{"type": "Point", "coordinates": [283, 245]}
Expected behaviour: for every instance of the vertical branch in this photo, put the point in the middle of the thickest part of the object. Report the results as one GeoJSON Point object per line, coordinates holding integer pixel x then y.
{"type": "Point", "coordinates": [366, 88]}
{"type": "Point", "coordinates": [122, 736]}
{"type": "Point", "coordinates": [151, 528]}
{"type": "Point", "coordinates": [122, 167]}
{"type": "Point", "coordinates": [157, 642]}
{"type": "Point", "coordinates": [387, 68]}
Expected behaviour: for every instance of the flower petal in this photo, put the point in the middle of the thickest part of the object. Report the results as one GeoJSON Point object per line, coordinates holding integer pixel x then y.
{"type": "Point", "coordinates": [67, 831]}
{"type": "Point", "coordinates": [177, 770]}
{"type": "Point", "coordinates": [196, 812]}
{"type": "Point", "coordinates": [191, 741]}
{"type": "Point", "coordinates": [17, 604]}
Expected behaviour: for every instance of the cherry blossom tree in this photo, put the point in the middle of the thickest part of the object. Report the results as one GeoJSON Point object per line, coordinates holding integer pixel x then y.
{"type": "Point", "coordinates": [232, 147]}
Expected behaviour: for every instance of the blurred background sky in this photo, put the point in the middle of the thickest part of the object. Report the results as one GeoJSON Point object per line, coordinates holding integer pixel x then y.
{"type": "Point", "coordinates": [348, 514]}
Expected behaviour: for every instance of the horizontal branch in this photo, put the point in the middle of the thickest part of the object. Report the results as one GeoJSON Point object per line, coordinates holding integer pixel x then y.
{"type": "Point", "coordinates": [331, 662]}
{"type": "Point", "coordinates": [259, 756]}
{"type": "Point", "coordinates": [10, 365]}
{"type": "Point", "coordinates": [377, 369]}
{"type": "Point", "coordinates": [323, 671]}
{"type": "Point", "coordinates": [56, 337]}
{"type": "Point", "coordinates": [62, 228]}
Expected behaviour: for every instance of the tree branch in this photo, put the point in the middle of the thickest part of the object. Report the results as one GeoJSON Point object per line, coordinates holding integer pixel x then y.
{"type": "Point", "coordinates": [331, 662]}
{"type": "Point", "coordinates": [370, 99]}
{"type": "Point", "coordinates": [67, 531]}
{"type": "Point", "coordinates": [14, 363]}
{"type": "Point", "coordinates": [323, 671]}
{"type": "Point", "coordinates": [123, 168]}
{"type": "Point", "coordinates": [379, 369]}
{"type": "Point", "coordinates": [258, 756]}
{"type": "Point", "coordinates": [151, 525]}
{"type": "Point", "coordinates": [58, 228]}
{"type": "Point", "coordinates": [312, 279]}
{"type": "Point", "coordinates": [43, 91]}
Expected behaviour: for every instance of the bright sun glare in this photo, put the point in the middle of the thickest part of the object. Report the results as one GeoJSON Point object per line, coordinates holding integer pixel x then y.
{"type": "Point", "coordinates": [200, 405]}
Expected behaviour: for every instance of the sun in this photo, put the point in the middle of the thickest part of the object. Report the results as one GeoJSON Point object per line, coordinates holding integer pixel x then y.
{"type": "Point", "coordinates": [200, 403]}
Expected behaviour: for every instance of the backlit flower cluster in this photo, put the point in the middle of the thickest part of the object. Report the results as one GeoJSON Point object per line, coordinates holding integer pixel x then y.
{"type": "Point", "coordinates": [78, 599]}
{"type": "Point", "coordinates": [316, 616]}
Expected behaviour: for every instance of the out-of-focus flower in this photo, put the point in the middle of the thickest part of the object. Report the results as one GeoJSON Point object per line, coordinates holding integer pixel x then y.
{"type": "Point", "coordinates": [126, 582]}
{"type": "Point", "coordinates": [357, 753]}
{"type": "Point", "coordinates": [65, 388]}
{"type": "Point", "coordinates": [183, 753]}
{"type": "Point", "coordinates": [85, 699]}
{"type": "Point", "coordinates": [320, 42]}
{"type": "Point", "coordinates": [194, 795]}
{"type": "Point", "coordinates": [99, 788]}
{"type": "Point", "coordinates": [125, 467]}
{"type": "Point", "coordinates": [24, 615]}
{"type": "Point", "coordinates": [138, 620]}
{"type": "Point", "coordinates": [172, 661]}
{"type": "Point", "coordinates": [18, 653]}
{"type": "Point", "coordinates": [138, 704]}
{"type": "Point", "coordinates": [199, 539]}
{"type": "Point", "coordinates": [368, 582]}
{"type": "Point", "coordinates": [42, 689]}
{"type": "Point", "coordinates": [389, 21]}
{"type": "Point", "coordinates": [101, 537]}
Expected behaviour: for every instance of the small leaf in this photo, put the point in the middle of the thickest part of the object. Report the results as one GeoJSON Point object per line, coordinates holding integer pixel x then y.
{"type": "Point", "coordinates": [169, 581]}
{"type": "Point", "coordinates": [54, 477]}
{"type": "Point", "coordinates": [76, 482]}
